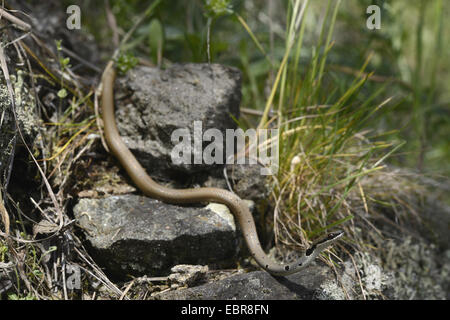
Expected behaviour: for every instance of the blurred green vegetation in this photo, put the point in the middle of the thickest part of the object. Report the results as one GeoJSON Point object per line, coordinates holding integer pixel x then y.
{"type": "Point", "coordinates": [412, 56]}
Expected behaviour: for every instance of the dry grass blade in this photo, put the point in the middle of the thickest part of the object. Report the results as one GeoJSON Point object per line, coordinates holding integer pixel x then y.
{"type": "Point", "coordinates": [4, 214]}
{"type": "Point", "coordinates": [16, 21]}
{"type": "Point", "coordinates": [99, 275]}
{"type": "Point", "coordinates": [60, 216]}
{"type": "Point", "coordinates": [112, 24]}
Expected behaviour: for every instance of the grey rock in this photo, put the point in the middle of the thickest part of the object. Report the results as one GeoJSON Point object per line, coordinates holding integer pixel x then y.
{"type": "Point", "coordinates": [7, 276]}
{"type": "Point", "coordinates": [258, 285]}
{"type": "Point", "coordinates": [245, 180]}
{"type": "Point", "coordinates": [187, 275]}
{"type": "Point", "coordinates": [140, 236]}
{"type": "Point", "coordinates": [436, 215]}
{"type": "Point", "coordinates": [413, 269]}
{"type": "Point", "coordinates": [151, 103]}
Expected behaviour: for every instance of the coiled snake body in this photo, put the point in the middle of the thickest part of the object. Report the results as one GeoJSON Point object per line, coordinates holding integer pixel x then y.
{"type": "Point", "coordinates": [178, 196]}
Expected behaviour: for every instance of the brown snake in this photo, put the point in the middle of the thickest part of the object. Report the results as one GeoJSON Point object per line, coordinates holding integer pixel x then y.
{"type": "Point", "coordinates": [178, 196]}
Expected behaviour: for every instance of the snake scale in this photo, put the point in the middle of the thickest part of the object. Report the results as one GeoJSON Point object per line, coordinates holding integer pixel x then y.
{"type": "Point", "coordinates": [194, 195]}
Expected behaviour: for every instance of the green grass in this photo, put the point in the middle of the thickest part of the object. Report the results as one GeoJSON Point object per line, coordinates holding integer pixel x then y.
{"type": "Point", "coordinates": [323, 151]}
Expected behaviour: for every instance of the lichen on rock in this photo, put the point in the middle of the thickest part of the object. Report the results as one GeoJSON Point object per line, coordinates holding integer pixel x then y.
{"type": "Point", "coordinates": [25, 108]}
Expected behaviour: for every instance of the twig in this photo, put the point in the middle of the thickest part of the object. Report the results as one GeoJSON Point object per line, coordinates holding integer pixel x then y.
{"type": "Point", "coordinates": [356, 271]}
{"type": "Point", "coordinates": [101, 276]}
{"type": "Point", "coordinates": [112, 24]}
{"type": "Point", "coordinates": [4, 215]}
{"type": "Point", "coordinates": [16, 21]}
{"type": "Point", "coordinates": [126, 290]}
{"type": "Point", "coordinates": [80, 59]}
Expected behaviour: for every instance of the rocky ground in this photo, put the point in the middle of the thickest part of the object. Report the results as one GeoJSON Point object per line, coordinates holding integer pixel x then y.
{"type": "Point", "coordinates": [196, 251]}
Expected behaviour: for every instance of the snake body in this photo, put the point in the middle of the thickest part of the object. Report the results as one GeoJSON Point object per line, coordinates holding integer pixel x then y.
{"type": "Point", "coordinates": [194, 195]}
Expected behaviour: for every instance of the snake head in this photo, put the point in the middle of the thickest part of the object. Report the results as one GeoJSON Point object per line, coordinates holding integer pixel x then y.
{"type": "Point", "coordinates": [324, 242]}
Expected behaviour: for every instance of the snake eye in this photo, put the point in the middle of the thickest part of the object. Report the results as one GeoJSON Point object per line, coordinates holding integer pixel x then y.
{"type": "Point", "coordinates": [336, 234]}
{"type": "Point", "coordinates": [286, 268]}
